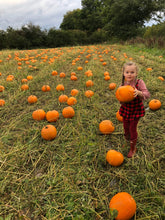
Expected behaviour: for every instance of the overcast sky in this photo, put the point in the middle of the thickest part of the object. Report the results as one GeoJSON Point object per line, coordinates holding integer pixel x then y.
{"type": "Point", "coordinates": [45, 13]}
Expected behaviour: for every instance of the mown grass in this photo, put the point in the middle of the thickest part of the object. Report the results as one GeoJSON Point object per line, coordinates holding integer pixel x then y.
{"type": "Point", "coordinates": [68, 177]}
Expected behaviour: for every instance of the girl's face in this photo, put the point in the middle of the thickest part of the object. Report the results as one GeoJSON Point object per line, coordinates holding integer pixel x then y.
{"type": "Point", "coordinates": [130, 73]}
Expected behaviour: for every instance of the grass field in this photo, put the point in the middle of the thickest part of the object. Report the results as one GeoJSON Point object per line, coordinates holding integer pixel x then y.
{"type": "Point", "coordinates": [68, 177]}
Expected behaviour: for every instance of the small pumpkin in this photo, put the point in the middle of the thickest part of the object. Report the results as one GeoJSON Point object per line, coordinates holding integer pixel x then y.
{"type": "Point", "coordinates": [32, 99]}
{"type": "Point", "coordinates": [74, 92]}
{"type": "Point", "coordinates": [38, 114]}
{"type": "Point", "coordinates": [48, 132]}
{"type": "Point", "coordinates": [29, 77]}
{"type": "Point", "coordinates": [119, 117]}
{"type": "Point", "coordinates": [2, 88]}
{"type": "Point", "coordinates": [106, 127]}
{"type": "Point", "coordinates": [54, 73]}
{"type": "Point", "coordinates": [2, 102]}
{"type": "Point", "coordinates": [24, 87]}
{"type": "Point", "coordinates": [60, 87]}
{"type": "Point", "coordinates": [154, 104]}
{"type": "Point", "coordinates": [89, 93]}
{"type": "Point", "coordinates": [161, 78]}
{"type": "Point", "coordinates": [112, 86]}
{"type": "Point", "coordinates": [125, 204]}
{"type": "Point", "coordinates": [79, 68]}
{"type": "Point", "coordinates": [52, 116]}
{"type": "Point", "coordinates": [125, 93]}
{"type": "Point", "coordinates": [68, 112]}
{"type": "Point", "coordinates": [71, 101]}
{"type": "Point", "coordinates": [45, 88]}
{"type": "Point", "coordinates": [106, 78]}
{"type": "Point", "coordinates": [89, 83]}
{"type": "Point", "coordinates": [63, 98]}
{"type": "Point", "coordinates": [62, 75]}
{"type": "Point", "coordinates": [114, 158]}
{"type": "Point", "coordinates": [73, 78]}
{"type": "Point", "coordinates": [24, 80]}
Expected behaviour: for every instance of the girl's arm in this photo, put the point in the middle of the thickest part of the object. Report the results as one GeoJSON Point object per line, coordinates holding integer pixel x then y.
{"type": "Point", "coordinates": [142, 90]}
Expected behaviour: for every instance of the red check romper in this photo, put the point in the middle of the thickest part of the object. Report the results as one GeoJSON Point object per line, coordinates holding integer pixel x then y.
{"type": "Point", "coordinates": [131, 113]}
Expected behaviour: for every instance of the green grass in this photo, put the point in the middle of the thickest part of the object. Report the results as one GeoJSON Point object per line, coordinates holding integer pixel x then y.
{"type": "Point", "coordinates": [68, 177]}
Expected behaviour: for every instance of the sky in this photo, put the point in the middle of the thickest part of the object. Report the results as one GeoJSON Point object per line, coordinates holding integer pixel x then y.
{"type": "Point", "coordinates": [45, 13]}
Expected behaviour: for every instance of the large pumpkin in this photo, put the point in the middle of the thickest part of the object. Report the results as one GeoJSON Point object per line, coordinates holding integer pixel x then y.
{"type": "Point", "coordinates": [114, 158]}
{"type": "Point", "coordinates": [154, 104]}
{"type": "Point", "coordinates": [124, 203]}
{"type": "Point", "coordinates": [125, 93]}
{"type": "Point", "coordinates": [106, 127]}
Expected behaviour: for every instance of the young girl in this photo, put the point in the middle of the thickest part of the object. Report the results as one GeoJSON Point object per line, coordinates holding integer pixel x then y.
{"type": "Point", "coordinates": [133, 110]}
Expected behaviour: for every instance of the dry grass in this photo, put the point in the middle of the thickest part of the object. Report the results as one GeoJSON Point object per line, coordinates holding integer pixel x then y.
{"type": "Point", "coordinates": [68, 178]}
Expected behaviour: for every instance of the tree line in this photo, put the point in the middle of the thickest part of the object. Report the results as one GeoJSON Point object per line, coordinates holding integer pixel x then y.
{"type": "Point", "coordinates": [98, 21]}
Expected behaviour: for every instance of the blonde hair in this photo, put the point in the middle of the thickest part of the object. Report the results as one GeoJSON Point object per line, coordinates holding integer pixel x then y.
{"type": "Point", "coordinates": [130, 63]}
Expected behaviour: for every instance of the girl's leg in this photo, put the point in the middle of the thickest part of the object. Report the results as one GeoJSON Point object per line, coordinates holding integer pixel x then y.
{"type": "Point", "coordinates": [126, 125]}
{"type": "Point", "coordinates": [133, 137]}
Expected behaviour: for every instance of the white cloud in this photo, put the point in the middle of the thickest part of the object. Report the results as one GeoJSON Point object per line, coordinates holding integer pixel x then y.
{"type": "Point", "coordinates": [45, 13]}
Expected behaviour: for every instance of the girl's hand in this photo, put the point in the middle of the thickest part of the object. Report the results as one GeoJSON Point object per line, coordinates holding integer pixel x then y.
{"type": "Point", "coordinates": [138, 93]}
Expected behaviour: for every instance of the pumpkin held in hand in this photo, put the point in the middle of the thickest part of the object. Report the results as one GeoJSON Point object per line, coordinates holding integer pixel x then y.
{"type": "Point", "coordinates": [125, 93]}
{"type": "Point", "coordinates": [124, 203]}
{"type": "Point", "coordinates": [114, 158]}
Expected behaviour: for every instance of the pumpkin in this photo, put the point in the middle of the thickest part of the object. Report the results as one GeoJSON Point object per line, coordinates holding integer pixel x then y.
{"type": "Point", "coordinates": [38, 114]}
{"type": "Point", "coordinates": [48, 132]}
{"type": "Point", "coordinates": [68, 112]}
{"type": "Point", "coordinates": [2, 88]}
{"type": "Point", "coordinates": [154, 104]}
{"type": "Point", "coordinates": [24, 80]}
{"type": "Point", "coordinates": [106, 73]}
{"type": "Point", "coordinates": [32, 99]}
{"type": "Point", "coordinates": [73, 78]}
{"type": "Point", "coordinates": [45, 88]}
{"type": "Point", "coordinates": [9, 78]}
{"type": "Point", "coordinates": [107, 78]}
{"type": "Point", "coordinates": [112, 86]}
{"type": "Point", "coordinates": [24, 87]}
{"type": "Point", "coordinates": [54, 73]}
{"type": "Point", "coordinates": [74, 92]}
{"type": "Point", "coordinates": [114, 158]}
{"type": "Point", "coordinates": [29, 77]}
{"type": "Point", "coordinates": [79, 68]}
{"type": "Point", "coordinates": [104, 63]}
{"type": "Point", "coordinates": [125, 93]}
{"type": "Point", "coordinates": [73, 74]}
{"type": "Point", "coordinates": [106, 127]}
{"type": "Point", "coordinates": [62, 75]}
{"type": "Point", "coordinates": [89, 93]}
{"type": "Point", "coordinates": [119, 117]}
{"type": "Point", "coordinates": [89, 83]}
{"type": "Point", "coordinates": [63, 98]}
{"type": "Point", "coordinates": [52, 115]}
{"type": "Point", "coordinates": [60, 87]}
{"type": "Point", "coordinates": [71, 101]}
{"type": "Point", "coordinates": [161, 78]}
{"type": "Point", "coordinates": [125, 204]}
{"type": "Point", "coordinates": [2, 102]}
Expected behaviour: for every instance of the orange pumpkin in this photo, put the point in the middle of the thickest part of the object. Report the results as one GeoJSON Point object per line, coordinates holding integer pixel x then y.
{"type": "Point", "coordinates": [125, 204]}
{"type": "Point", "coordinates": [60, 87]}
{"type": "Point", "coordinates": [62, 75]}
{"type": "Point", "coordinates": [68, 112]}
{"type": "Point", "coordinates": [2, 102]}
{"type": "Point", "coordinates": [89, 93]}
{"type": "Point", "coordinates": [114, 158]}
{"type": "Point", "coordinates": [24, 80]}
{"type": "Point", "coordinates": [63, 98]}
{"type": "Point", "coordinates": [125, 93]}
{"type": "Point", "coordinates": [73, 78]}
{"type": "Point", "coordinates": [89, 83]}
{"type": "Point", "coordinates": [71, 101]}
{"type": "Point", "coordinates": [52, 116]}
{"type": "Point", "coordinates": [38, 114]}
{"type": "Point", "coordinates": [106, 127]}
{"type": "Point", "coordinates": [2, 88]}
{"type": "Point", "coordinates": [112, 86]}
{"type": "Point", "coordinates": [107, 78]}
{"type": "Point", "coordinates": [74, 92]}
{"type": "Point", "coordinates": [29, 77]}
{"type": "Point", "coordinates": [45, 88]}
{"type": "Point", "coordinates": [48, 132]}
{"type": "Point", "coordinates": [119, 117]}
{"type": "Point", "coordinates": [154, 104]}
{"type": "Point", "coordinates": [24, 87]}
{"type": "Point", "coordinates": [32, 99]}
{"type": "Point", "coordinates": [106, 73]}
{"type": "Point", "coordinates": [54, 73]}
{"type": "Point", "coordinates": [79, 68]}
{"type": "Point", "coordinates": [161, 78]}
